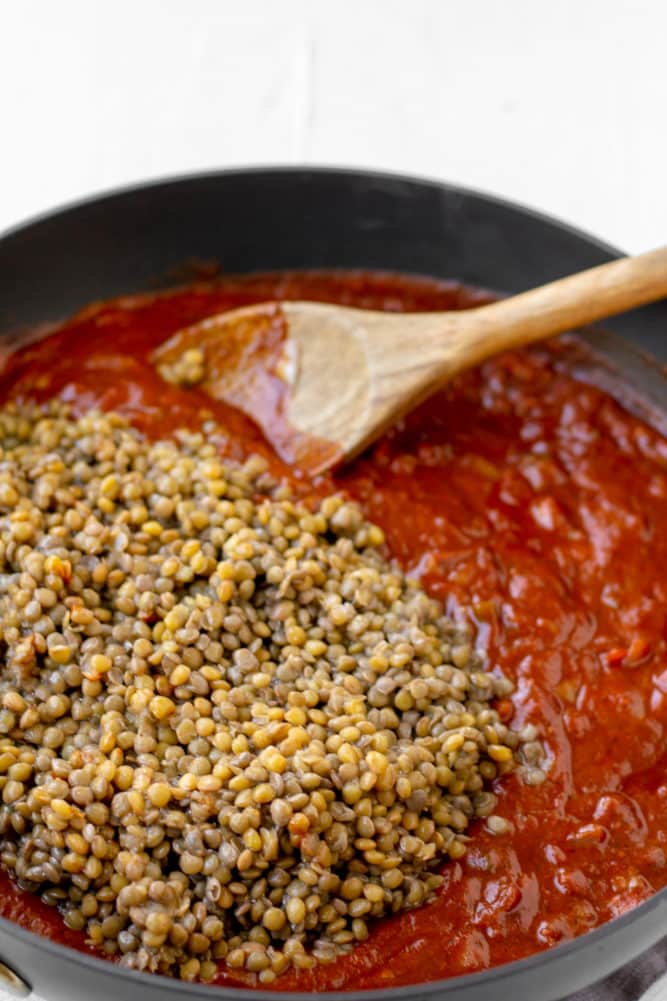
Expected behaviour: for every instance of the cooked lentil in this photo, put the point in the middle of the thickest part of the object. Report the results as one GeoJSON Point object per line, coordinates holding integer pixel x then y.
{"type": "Point", "coordinates": [230, 728]}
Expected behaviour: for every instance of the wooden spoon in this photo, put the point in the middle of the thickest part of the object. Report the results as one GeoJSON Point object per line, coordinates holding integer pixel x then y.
{"type": "Point", "coordinates": [324, 381]}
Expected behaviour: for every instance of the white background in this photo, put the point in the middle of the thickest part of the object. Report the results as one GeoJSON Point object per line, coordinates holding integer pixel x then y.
{"type": "Point", "coordinates": [560, 105]}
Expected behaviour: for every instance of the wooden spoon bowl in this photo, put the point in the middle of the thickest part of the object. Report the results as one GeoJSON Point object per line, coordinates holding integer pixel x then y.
{"type": "Point", "coordinates": [324, 381]}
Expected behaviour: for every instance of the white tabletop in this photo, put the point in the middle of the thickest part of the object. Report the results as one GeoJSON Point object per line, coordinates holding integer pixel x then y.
{"type": "Point", "coordinates": [559, 105]}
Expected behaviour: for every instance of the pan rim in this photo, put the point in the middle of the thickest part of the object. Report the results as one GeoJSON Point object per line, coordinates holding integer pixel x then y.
{"type": "Point", "coordinates": [101, 195]}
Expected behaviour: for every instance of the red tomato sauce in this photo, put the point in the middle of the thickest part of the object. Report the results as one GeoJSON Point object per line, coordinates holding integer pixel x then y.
{"type": "Point", "coordinates": [522, 497]}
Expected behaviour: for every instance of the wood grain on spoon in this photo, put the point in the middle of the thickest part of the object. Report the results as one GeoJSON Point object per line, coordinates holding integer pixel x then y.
{"type": "Point", "coordinates": [324, 381]}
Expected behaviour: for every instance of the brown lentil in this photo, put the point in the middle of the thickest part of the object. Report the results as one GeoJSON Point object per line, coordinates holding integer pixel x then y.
{"type": "Point", "coordinates": [225, 719]}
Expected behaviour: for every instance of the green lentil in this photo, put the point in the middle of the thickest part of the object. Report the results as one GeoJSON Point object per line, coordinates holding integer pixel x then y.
{"type": "Point", "coordinates": [224, 718]}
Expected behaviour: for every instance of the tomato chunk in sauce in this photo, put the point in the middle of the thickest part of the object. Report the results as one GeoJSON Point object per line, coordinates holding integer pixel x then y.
{"type": "Point", "coordinates": [523, 498]}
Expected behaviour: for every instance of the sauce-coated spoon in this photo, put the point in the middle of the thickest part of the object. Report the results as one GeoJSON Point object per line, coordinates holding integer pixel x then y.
{"type": "Point", "coordinates": [324, 381]}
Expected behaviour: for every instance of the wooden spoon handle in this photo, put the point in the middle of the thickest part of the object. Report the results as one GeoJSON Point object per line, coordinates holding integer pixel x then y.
{"type": "Point", "coordinates": [567, 303]}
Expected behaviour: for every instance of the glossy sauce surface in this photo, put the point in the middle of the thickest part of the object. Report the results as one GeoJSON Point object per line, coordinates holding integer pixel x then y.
{"type": "Point", "coordinates": [522, 497]}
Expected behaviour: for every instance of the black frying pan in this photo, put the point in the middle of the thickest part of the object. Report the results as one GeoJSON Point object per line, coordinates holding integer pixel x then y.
{"type": "Point", "coordinates": [251, 220]}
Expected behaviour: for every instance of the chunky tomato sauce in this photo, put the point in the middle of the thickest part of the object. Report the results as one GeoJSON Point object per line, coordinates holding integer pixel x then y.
{"type": "Point", "coordinates": [522, 497]}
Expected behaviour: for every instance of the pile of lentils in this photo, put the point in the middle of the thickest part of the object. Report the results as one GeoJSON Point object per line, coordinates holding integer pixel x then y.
{"type": "Point", "coordinates": [229, 728]}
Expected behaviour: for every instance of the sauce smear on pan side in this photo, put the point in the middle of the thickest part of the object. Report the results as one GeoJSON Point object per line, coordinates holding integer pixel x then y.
{"type": "Point", "coordinates": [523, 494]}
